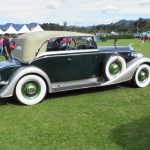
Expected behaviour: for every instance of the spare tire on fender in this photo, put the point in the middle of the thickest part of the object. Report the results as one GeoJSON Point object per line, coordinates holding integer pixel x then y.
{"type": "Point", "coordinates": [113, 66]}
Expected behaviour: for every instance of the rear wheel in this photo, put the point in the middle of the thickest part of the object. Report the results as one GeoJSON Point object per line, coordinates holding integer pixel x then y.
{"type": "Point", "coordinates": [113, 66]}
{"type": "Point", "coordinates": [30, 89]}
{"type": "Point", "coordinates": [141, 76]}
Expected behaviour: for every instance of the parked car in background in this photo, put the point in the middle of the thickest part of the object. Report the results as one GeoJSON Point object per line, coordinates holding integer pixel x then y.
{"type": "Point", "coordinates": [54, 61]}
{"type": "Point", "coordinates": [137, 35]}
{"type": "Point", "coordinates": [147, 37]}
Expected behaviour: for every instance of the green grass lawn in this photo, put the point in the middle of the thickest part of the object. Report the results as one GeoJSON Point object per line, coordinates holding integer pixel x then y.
{"type": "Point", "coordinates": [106, 118]}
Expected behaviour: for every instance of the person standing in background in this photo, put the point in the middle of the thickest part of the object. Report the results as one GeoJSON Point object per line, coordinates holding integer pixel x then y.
{"type": "Point", "coordinates": [1, 45]}
{"type": "Point", "coordinates": [6, 47]}
{"type": "Point", "coordinates": [142, 39]}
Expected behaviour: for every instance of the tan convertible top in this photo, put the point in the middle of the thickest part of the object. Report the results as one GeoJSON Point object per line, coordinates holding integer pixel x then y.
{"type": "Point", "coordinates": [28, 44]}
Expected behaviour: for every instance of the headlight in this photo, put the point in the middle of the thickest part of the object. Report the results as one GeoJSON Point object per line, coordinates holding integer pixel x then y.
{"type": "Point", "coordinates": [132, 54]}
{"type": "Point", "coordinates": [138, 55]}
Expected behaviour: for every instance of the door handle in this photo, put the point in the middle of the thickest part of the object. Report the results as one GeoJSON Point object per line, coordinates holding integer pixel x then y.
{"type": "Point", "coordinates": [70, 59]}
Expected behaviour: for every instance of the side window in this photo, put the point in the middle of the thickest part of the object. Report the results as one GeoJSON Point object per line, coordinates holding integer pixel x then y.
{"type": "Point", "coordinates": [79, 43]}
{"type": "Point", "coordinates": [57, 44]}
{"type": "Point", "coordinates": [71, 43]}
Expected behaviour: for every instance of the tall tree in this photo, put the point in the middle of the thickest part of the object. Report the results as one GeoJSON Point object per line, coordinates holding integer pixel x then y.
{"type": "Point", "coordinates": [65, 25]}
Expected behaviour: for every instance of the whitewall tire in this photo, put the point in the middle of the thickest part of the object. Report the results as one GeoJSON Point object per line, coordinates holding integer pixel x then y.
{"type": "Point", "coordinates": [113, 66]}
{"type": "Point", "coordinates": [30, 90]}
{"type": "Point", "coordinates": [141, 76]}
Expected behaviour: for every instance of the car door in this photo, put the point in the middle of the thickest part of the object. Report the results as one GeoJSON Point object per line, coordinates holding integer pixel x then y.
{"type": "Point", "coordinates": [68, 64]}
{"type": "Point", "coordinates": [83, 55]}
{"type": "Point", "coordinates": [81, 64]}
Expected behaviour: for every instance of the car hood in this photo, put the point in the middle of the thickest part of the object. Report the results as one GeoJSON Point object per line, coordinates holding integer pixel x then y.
{"type": "Point", "coordinates": [116, 48]}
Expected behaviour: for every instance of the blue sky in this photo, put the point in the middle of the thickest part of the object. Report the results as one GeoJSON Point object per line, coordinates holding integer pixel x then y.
{"type": "Point", "coordinates": [74, 12]}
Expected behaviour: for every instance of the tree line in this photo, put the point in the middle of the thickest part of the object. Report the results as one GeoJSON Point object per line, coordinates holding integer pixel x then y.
{"type": "Point", "coordinates": [139, 25]}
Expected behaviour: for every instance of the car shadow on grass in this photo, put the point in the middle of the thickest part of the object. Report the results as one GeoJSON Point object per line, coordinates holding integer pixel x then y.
{"type": "Point", "coordinates": [9, 100]}
{"type": "Point", "coordinates": [3, 101]}
{"type": "Point", "coordinates": [53, 96]}
{"type": "Point", "coordinates": [127, 84]}
{"type": "Point", "coordinates": [133, 136]}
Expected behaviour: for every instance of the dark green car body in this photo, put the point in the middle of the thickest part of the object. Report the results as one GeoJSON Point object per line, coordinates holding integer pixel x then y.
{"type": "Point", "coordinates": [78, 65]}
{"type": "Point", "coordinates": [68, 64]}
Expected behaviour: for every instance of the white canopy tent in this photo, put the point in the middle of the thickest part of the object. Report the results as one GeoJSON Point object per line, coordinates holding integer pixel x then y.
{"type": "Point", "coordinates": [37, 28]}
{"type": "Point", "coordinates": [114, 33]}
{"type": "Point", "coordinates": [11, 30]}
{"type": "Point", "coordinates": [24, 29]}
{"type": "Point", "coordinates": [1, 31]}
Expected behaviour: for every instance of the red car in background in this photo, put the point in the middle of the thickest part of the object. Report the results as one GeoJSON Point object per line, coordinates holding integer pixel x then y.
{"type": "Point", "coordinates": [147, 37]}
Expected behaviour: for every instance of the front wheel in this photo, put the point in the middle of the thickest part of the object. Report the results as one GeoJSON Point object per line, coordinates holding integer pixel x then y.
{"type": "Point", "coordinates": [113, 66]}
{"type": "Point", "coordinates": [141, 76]}
{"type": "Point", "coordinates": [30, 89]}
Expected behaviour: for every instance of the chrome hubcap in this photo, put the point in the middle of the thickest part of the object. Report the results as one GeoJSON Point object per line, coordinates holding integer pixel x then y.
{"type": "Point", "coordinates": [115, 68]}
{"type": "Point", "coordinates": [31, 90]}
{"type": "Point", "coordinates": [143, 74]}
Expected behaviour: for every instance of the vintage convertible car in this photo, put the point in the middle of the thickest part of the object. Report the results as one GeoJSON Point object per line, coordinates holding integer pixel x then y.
{"type": "Point", "coordinates": [53, 61]}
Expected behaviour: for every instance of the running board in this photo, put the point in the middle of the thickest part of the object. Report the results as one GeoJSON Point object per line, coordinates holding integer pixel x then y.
{"type": "Point", "coordinates": [77, 84]}
{"type": "Point", "coordinates": [75, 87]}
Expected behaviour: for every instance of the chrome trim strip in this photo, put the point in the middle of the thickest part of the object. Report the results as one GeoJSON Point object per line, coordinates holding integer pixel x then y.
{"type": "Point", "coordinates": [49, 54]}
{"type": "Point", "coordinates": [67, 52]}
{"type": "Point", "coordinates": [113, 46]}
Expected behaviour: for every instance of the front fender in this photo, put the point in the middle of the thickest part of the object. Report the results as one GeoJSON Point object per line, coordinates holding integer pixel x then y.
{"type": "Point", "coordinates": [129, 72]}
{"type": "Point", "coordinates": [8, 90]}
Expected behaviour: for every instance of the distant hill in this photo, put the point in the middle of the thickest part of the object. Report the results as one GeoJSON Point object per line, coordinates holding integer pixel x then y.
{"type": "Point", "coordinates": [148, 20]}
{"type": "Point", "coordinates": [31, 25]}
{"type": "Point", "coordinates": [125, 22]}
{"type": "Point", "coordinates": [17, 26]}
{"type": "Point", "coordinates": [128, 22]}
